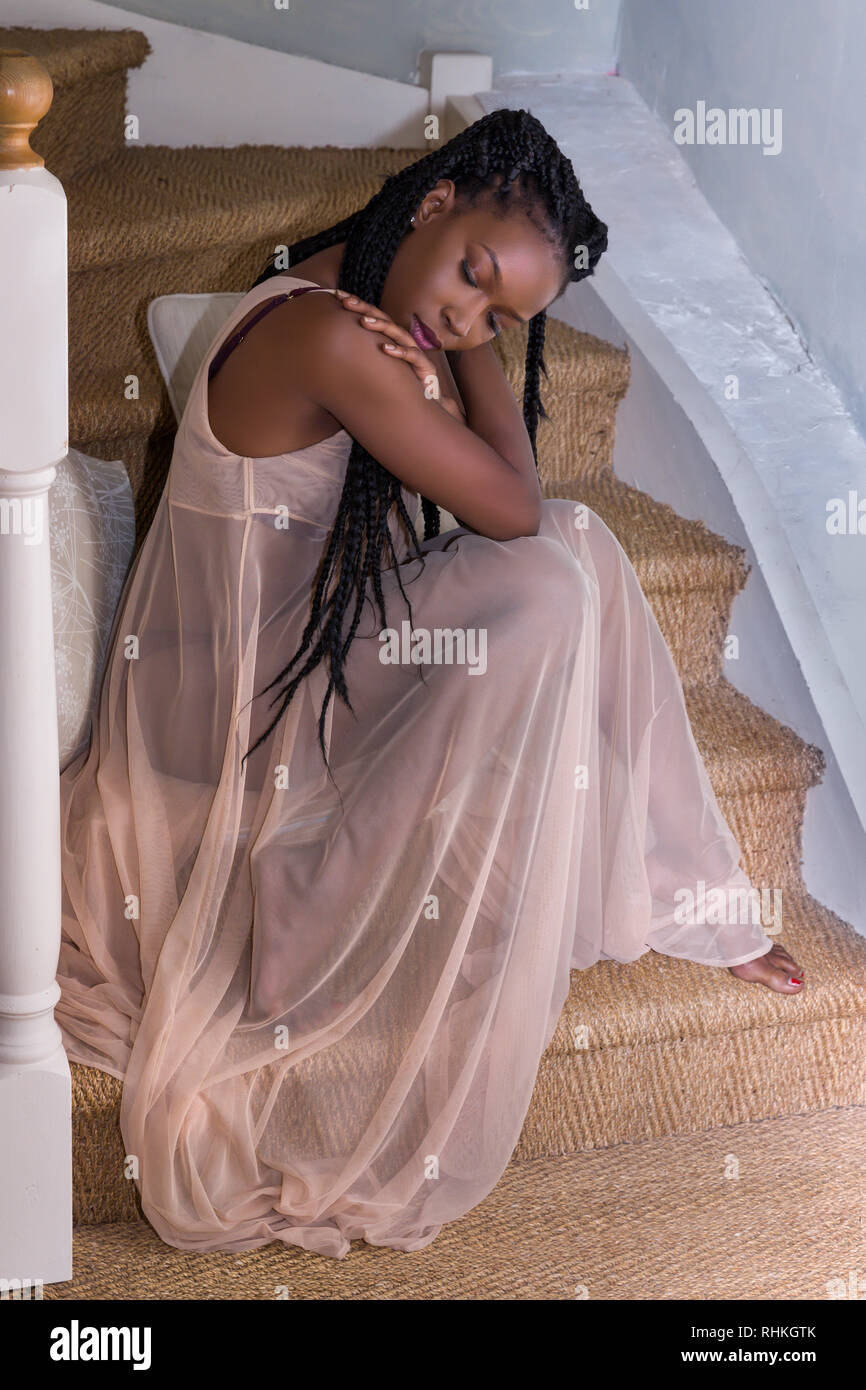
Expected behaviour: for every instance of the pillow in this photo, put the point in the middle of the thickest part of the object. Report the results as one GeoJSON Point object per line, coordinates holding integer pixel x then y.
{"type": "Point", "coordinates": [182, 328]}
{"type": "Point", "coordinates": [91, 521]}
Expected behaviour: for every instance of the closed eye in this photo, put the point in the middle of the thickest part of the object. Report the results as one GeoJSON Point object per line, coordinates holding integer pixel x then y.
{"type": "Point", "coordinates": [491, 317]}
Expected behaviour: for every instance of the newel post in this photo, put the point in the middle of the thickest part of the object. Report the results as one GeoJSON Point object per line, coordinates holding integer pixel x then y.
{"type": "Point", "coordinates": [35, 1118]}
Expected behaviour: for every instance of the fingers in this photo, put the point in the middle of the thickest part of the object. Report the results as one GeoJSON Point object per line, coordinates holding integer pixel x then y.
{"type": "Point", "coordinates": [414, 358]}
{"type": "Point", "coordinates": [400, 342]}
{"type": "Point", "coordinates": [360, 306]}
{"type": "Point", "coordinates": [374, 318]}
{"type": "Point", "coordinates": [354, 301]}
{"type": "Point", "coordinates": [393, 330]}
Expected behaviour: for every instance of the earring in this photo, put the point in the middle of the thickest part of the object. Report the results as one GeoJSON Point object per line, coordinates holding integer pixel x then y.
{"type": "Point", "coordinates": [412, 218]}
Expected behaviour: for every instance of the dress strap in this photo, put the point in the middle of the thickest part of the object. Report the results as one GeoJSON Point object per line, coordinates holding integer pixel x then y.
{"type": "Point", "coordinates": [231, 343]}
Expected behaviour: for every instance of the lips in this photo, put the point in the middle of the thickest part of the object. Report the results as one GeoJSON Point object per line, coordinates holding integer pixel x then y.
{"type": "Point", "coordinates": [424, 336]}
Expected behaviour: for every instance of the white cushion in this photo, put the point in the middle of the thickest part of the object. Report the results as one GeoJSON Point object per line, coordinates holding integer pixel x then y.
{"type": "Point", "coordinates": [182, 328]}
{"type": "Point", "coordinates": [91, 522]}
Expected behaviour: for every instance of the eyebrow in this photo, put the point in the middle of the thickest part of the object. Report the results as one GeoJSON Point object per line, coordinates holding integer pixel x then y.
{"type": "Point", "coordinates": [498, 274]}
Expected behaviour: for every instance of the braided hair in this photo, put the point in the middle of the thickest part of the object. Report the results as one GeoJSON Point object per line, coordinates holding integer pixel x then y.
{"type": "Point", "coordinates": [508, 158]}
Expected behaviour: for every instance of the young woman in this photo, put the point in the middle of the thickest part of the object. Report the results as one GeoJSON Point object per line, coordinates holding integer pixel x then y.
{"type": "Point", "coordinates": [325, 947]}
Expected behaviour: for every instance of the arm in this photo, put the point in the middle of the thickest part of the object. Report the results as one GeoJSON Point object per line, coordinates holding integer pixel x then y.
{"type": "Point", "coordinates": [447, 384]}
{"type": "Point", "coordinates": [492, 411]}
{"type": "Point", "coordinates": [345, 371]}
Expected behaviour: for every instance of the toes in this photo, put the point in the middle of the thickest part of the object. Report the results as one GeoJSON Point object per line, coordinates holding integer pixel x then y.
{"type": "Point", "coordinates": [783, 960]}
{"type": "Point", "coordinates": [787, 981]}
{"type": "Point", "coordinates": [769, 970]}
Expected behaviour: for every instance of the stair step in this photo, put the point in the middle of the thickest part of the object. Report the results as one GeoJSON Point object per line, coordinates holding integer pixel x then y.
{"type": "Point", "coordinates": [679, 1048]}
{"type": "Point", "coordinates": [142, 204]}
{"type": "Point", "coordinates": [744, 748]}
{"type": "Point", "coordinates": [88, 68]}
{"type": "Point", "coordinates": [566, 1227]}
{"type": "Point", "coordinates": [760, 771]}
{"type": "Point", "coordinates": [690, 575]}
{"type": "Point", "coordinates": [768, 826]}
{"type": "Point", "coordinates": [674, 1048]}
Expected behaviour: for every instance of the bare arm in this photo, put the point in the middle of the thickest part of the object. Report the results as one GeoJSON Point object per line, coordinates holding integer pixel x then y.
{"type": "Point", "coordinates": [491, 409]}
{"type": "Point", "coordinates": [345, 371]}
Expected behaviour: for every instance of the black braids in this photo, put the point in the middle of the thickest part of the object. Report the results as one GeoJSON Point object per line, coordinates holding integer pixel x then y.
{"type": "Point", "coordinates": [533, 407]}
{"type": "Point", "coordinates": [374, 509]}
{"type": "Point", "coordinates": [510, 160]}
{"type": "Point", "coordinates": [317, 653]}
{"type": "Point", "coordinates": [404, 515]}
{"type": "Point", "coordinates": [432, 518]}
{"type": "Point", "coordinates": [379, 595]}
{"type": "Point", "coordinates": [351, 571]}
{"type": "Point", "coordinates": [302, 250]}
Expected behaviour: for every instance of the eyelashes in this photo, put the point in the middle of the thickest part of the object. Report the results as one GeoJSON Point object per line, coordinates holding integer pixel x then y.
{"type": "Point", "coordinates": [491, 318]}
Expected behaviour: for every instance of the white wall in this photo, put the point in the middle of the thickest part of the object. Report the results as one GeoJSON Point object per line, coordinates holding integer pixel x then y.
{"type": "Point", "coordinates": [195, 88]}
{"type": "Point", "coordinates": [798, 216]}
{"type": "Point", "coordinates": [385, 37]}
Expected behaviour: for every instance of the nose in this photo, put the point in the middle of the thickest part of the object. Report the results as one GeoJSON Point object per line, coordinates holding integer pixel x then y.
{"type": "Point", "coordinates": [460, 322]}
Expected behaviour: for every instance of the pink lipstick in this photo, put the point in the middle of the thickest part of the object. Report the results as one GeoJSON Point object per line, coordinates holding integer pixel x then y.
{"type": "Point", "coordinates": [424, 336]}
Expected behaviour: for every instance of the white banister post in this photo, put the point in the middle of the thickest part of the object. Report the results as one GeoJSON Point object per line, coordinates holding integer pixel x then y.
{"type": "Point", "coordinates": [35, 1090]}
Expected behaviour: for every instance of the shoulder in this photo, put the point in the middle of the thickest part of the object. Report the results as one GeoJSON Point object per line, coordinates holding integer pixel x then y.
{"type": "Point", "coordinates": [326, 337]}
{"type": "Point", "coordinates": [317, 319]}
{"type": "Point", "coordinates": [326, 320]}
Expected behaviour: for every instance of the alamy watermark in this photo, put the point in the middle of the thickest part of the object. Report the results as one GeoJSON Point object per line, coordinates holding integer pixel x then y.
{"type": "Point", "coordinates": [739, 125]}
{"type": "Point", "coordinates": [23, 516]}
{"type": "Point", "coordinates": [441, 646]}
{"type": "Point", "coordinates": [728, 906]}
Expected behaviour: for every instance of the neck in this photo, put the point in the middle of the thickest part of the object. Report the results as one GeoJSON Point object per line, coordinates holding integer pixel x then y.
{"type": "Point", "coordinates": [323, 267]}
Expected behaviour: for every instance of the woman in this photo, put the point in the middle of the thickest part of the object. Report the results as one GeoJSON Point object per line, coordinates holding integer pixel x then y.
{"type": "Point", "coordinates": [326, 949]}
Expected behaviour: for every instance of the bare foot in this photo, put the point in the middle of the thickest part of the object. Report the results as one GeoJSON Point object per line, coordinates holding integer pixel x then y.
{"type": "Point", "coordinates": [774, 970]}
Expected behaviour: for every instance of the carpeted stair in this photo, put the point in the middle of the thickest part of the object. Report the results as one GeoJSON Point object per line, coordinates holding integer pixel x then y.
{"type": "Point", "coordinates": [673, 1051]}
{"type": "Point", "coordinates": [766, 1211]}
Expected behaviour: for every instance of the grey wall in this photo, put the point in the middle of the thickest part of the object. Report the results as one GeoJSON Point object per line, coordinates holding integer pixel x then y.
{"type": "Point", "coordinates": [384, 37]}
{"type": "Point", "coordinates": [799, 216]}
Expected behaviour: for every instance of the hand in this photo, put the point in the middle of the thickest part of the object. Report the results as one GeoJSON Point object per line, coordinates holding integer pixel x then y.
{"type": "Point", "coordinates": [402, 345]}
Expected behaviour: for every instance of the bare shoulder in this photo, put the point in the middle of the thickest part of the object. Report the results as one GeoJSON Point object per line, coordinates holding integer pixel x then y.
{"type": "Point", "coordinates": [307, 335]}
{"type": "Point", "coordinates": [320, 330]}
{"type": "Point", "coordinates": [260, 402]}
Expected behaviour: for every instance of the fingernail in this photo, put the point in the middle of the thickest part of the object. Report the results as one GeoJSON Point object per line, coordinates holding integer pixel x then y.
{"type": "Point", "coordinates": [341, 293]}
{"type": "Point", "coordinates": [368, 318]}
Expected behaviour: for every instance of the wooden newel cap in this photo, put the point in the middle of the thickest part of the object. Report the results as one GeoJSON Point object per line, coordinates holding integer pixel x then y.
{"type": "Point", "coordinates": [26, 93]}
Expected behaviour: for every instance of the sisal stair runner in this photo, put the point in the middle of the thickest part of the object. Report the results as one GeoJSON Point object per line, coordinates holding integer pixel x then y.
{"type": "Point", "coordinates": [657, 1220]}
{"type": "Point", "coordinates": [673, 1051]}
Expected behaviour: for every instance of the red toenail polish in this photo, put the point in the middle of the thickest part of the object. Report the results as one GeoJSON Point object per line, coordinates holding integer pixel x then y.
{"type": "Point", "coordinates": [793, 981]}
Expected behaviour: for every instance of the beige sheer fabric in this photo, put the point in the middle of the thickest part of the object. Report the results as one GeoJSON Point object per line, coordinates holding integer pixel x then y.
{"type": "Point", "coordinates": [329, 1016]}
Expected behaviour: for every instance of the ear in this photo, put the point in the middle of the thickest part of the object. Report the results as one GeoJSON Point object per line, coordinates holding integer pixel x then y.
{"type": "Point", "coordinates": [440, 199]}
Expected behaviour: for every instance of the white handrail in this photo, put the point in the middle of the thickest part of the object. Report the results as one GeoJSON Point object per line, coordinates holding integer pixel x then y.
{"type": "Point", "coordinates": [35, 1088]}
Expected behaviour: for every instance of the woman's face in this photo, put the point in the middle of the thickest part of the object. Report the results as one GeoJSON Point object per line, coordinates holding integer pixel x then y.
{"type": "Point", "coordinates": [444, 274]}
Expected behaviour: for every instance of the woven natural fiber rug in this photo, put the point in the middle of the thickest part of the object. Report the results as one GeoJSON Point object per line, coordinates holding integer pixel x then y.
{"type": "Point", "coordinates": [772, 1210]}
